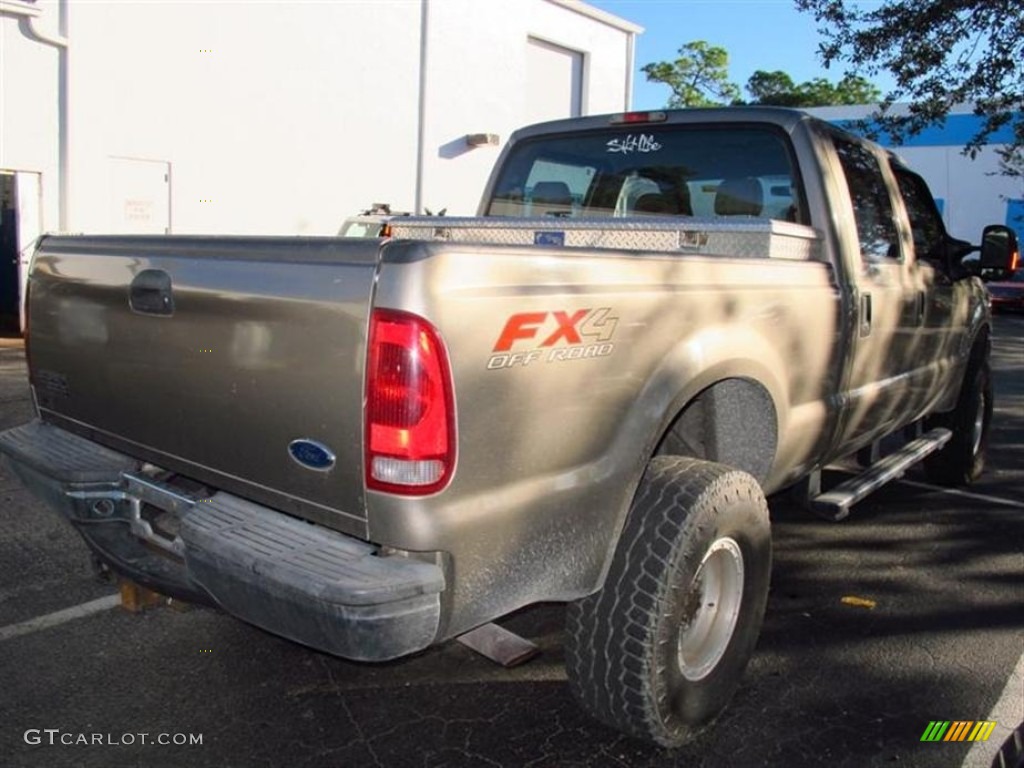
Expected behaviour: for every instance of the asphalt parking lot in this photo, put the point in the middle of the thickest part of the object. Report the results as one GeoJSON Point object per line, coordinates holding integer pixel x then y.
{"type": "Point", "coordinates": [832, 683]}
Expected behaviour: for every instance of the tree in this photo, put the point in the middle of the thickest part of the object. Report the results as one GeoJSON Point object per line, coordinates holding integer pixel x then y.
{"type": "Point", "coordinates": [698, 78]}
{"type": "Point", "coordinates": [852, 89]}
{"type": "Point", "coordinates": [941, 53]}
{"type": "Point", "coordinates": [772, 88]}
{"type": "Point", "coordinates": [778, 89]}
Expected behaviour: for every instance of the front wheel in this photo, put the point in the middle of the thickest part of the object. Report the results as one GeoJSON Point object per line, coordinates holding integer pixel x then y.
{"type": "Point", "coordinates": [962, 459]}
{"type": "Point", "coordinates": [660, 649]}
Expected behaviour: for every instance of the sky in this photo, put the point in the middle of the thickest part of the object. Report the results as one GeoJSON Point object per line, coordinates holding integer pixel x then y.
{"type": "Point", "coordinates": [758, 34]}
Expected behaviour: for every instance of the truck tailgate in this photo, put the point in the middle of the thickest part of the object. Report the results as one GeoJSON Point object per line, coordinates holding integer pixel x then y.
{"type": "Point", "coordinates": [210, 357]}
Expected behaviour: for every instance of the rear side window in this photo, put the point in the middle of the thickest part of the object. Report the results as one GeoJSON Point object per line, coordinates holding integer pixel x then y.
{"type": "Point", "coordinates": [872, 206]}
{"type": "Point", "coordinates": [720, 171]}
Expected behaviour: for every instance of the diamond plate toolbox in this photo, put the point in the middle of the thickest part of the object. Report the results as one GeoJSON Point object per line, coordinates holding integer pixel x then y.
{"type": "Point", "coordinates": [747, 238]}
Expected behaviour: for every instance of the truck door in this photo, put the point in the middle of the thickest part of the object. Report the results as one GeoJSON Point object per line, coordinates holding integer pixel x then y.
{"type": "Point", "coordinates": [944, 302]}
{"type": "Point", "coordinates": [885, 314]}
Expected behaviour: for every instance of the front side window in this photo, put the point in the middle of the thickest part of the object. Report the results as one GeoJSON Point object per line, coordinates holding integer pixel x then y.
{"type": "Point", "coordinates": [872, 206]}
{"type": "Point", "coordinates": [664, 170]}
{"type": "Point", "coordinates": [926, 225]}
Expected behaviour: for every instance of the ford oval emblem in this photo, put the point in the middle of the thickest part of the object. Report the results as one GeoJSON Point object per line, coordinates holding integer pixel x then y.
{"type": "Point", "coordinates": [311, 454]}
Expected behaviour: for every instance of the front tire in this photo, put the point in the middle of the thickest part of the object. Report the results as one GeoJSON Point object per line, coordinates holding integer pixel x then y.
{"type": "Point", "coordinates": [962, 460]}
{"type": "Point", "coordinates": [660, 649]}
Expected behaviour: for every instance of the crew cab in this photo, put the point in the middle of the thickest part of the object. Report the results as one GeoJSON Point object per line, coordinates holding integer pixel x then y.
{"type": "Point", "coordinates": [583, 394]}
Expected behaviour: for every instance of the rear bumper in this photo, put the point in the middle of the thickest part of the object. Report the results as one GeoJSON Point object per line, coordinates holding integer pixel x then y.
{"type": "Point", "coordinates": [307, 583]}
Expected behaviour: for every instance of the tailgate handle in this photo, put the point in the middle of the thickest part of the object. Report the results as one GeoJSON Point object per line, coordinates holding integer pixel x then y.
{"type": "Point", "coordinates": [150, 293]}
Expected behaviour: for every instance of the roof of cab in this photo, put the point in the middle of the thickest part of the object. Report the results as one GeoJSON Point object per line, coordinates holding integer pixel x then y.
{"type": "Point", "coordinates": [781, 116]}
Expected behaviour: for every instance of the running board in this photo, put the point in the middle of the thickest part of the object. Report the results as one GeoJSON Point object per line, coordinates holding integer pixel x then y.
{"type": "Point", "coordinates": [835, 505]}
{"type": "Point", "coordinates": [499, 645]}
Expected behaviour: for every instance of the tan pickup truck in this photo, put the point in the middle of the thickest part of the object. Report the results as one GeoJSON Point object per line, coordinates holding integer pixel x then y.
{"type": "Point", "coordinates": [583, 394]}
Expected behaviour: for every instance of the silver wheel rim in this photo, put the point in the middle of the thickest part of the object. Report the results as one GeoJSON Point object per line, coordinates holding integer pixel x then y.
{"type": "Point", "coordinates": [979, 426]}
{"type": "Point", "coordinates": [712, 608]}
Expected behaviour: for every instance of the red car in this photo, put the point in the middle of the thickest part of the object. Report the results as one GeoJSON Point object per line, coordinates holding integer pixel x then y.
{"type": "Point", "coordinates": [1008, 294]}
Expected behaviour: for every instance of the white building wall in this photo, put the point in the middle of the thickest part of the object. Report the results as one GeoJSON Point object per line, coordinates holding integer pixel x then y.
{"type": "Point", "coordinates": [477, 83]}
{"type": "Point", "coordinates": [283, 118]}
{"type": "Point", "coordinates": [973, 191]}
{"type": "Point", "coordinates": [275, 118]}
{"type": "Point", "coordinates": [29, 107]}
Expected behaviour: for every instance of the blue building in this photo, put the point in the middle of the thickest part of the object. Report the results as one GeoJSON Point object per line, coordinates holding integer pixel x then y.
{"type": "Point", "coordinates": [971, 192]}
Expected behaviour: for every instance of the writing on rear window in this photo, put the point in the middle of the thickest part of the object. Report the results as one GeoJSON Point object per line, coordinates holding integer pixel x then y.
{"type": "Point", "coordinates": [634, 143]}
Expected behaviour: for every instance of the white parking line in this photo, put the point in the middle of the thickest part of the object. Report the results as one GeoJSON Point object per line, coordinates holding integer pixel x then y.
{"type": "Point", "coordinates": [1008, 713]}
{"type": "Point", "coordinates": [964, 494]}
{"type": "Point", "coordinates": [59, 617]}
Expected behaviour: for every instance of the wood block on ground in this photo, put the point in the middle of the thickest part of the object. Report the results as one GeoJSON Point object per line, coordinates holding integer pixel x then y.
{"type": "Point", "coordinates": [136, 598]}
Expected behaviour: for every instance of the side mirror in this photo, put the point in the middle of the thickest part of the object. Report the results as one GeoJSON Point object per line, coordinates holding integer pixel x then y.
{"type": "Point", "coordinates": [999, 249]}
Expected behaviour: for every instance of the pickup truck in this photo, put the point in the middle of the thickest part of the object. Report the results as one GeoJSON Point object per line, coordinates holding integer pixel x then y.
{"type": "Point", "coordinates": [582, 394]}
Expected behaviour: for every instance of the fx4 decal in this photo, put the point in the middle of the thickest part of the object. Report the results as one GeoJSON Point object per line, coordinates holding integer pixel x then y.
{"type": "Point", "coordinates": [554, 336]}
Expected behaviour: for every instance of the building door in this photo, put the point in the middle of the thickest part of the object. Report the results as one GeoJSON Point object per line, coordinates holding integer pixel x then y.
{"type": "Point", "coordinates": [8, 252]}
{"type": "Point", "coordinates": [554, 81]}
{"type": "Point", "coordinates": [140, 196]}
{"type": "Point", "coordinates": [20, 227]}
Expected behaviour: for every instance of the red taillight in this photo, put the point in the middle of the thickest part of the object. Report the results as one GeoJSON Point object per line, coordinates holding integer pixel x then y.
{"type": "Point", "coordinates": [410, 415]}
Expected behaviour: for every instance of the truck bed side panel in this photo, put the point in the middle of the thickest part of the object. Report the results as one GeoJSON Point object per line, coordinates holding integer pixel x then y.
{"type": "Point", "coordinates": [561, 402]}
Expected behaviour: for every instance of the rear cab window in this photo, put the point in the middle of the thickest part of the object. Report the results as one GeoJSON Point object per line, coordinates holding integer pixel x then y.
{"type": "Point", "coordinates": [724, 170]}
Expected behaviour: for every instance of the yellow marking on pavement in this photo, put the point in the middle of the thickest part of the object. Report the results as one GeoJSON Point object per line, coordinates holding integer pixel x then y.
{"type": "Point", "coordinates": [858, 602]}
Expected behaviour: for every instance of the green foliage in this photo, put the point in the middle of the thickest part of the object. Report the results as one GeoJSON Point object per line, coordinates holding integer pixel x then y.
{"type": "Point", "coordinates": [1011, 156]}
{"type": "Point", "coordinates": [775, 88]}
{"type": "Point", "coordinates": [941, 53]}
{"type": "Point", "coordinates": [698, 78]}
{"type": "Point", "coordinates": [778, 89]}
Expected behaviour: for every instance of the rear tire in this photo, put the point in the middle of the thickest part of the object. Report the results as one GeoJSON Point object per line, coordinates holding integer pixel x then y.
{"type": "Point", "coordinates": [660, 649]}
{"type": "Point", "coordinates": [962, 460]}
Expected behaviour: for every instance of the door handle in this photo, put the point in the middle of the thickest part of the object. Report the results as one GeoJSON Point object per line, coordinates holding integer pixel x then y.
{"type": "Point", "coordinates": [865, 314]}
{"type": "Point", "coordinates": [150, 293]}
{"type": "Point", "coordinates": [922, 307]}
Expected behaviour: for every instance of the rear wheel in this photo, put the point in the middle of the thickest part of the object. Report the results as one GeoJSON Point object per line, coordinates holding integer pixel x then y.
{"type": "Point", "coordinates": [962, 459]}
{"type": "Point", "coordinates": [660, 649]}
